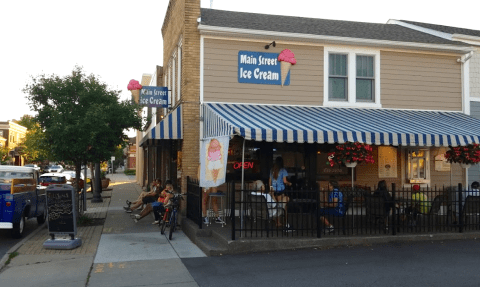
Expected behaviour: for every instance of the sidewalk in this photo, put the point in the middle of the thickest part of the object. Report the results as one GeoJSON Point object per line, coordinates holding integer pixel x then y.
{"type": "Point", "coordinates": [115, 250]}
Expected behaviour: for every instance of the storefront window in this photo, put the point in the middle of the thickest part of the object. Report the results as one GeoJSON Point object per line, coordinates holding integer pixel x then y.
{"type": "Point", "coordinates": [251, 163]}
{"type": "Point", "coordinates": [418, 167]}
{"type": "Point", "coordinates": [294, 161]}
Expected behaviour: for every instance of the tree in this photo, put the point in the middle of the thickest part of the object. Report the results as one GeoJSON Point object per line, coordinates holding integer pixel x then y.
{"type": "Point", "coordinates": [34, 147]}
{"type": "Point", "coordinates": [81, 117]}
{"type": "Point", "coordinates": [4, 157]}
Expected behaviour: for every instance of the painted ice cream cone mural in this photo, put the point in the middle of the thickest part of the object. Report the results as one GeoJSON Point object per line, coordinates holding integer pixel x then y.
{"type": "Point", "coordinates": [286, 59]}
{"type": "Point", "coordinates": [135, 87]}
{"type": "Point", "coordinates": [214, 159]}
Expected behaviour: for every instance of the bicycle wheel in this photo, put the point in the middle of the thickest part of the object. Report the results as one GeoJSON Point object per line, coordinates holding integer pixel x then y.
{"type": "Point", "coordinates": [173, 223]}
{"type": "Point", "coordinates": [163, 224]}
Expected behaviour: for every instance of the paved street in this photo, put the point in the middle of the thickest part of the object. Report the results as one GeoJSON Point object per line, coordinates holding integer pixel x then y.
{"type": "Point", "coordinates": [452, 263]}
{"type": "Point", "coordinates": [6, 240]}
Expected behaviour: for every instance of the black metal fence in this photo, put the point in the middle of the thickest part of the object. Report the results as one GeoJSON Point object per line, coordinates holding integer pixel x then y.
{"type": "Point", "coordinates": [306, 212]}
{"type": "Point", "coordinates": [194, 201]}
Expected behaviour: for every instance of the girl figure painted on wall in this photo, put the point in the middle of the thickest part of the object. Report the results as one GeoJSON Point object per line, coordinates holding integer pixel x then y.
{"type": "Point", "coordinates": [214, 160]}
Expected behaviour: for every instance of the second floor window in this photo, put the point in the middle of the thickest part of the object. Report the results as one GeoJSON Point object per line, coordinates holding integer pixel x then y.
{"type": "Point", "coordinates": [351, 77]}
{"type": "Point", "coordinates": [365, 79]}
{"type": "Point", "coordinates": [338, 77]}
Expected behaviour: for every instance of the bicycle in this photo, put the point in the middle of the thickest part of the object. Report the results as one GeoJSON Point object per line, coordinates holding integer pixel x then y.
{"type": "Point", "coordinates": [171, 212]}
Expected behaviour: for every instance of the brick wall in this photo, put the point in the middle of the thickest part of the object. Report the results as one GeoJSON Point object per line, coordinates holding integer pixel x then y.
{"type": "Point", "coordinates": [181, 23]}
{"type": "Point", "coordinates": [475, 74]}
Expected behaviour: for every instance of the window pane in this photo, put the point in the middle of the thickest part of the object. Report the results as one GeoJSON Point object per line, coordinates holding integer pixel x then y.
{"type": "Point", "coordinates": [370, 67]}
{"type": "Point", "coordinates": [337, 88]}
{"type": "Point", "coordinates": [365, 90]}
{"type": "Point", "coordinates": [337, 65]}
{"type": "Point", "coordinates": [365, 66]}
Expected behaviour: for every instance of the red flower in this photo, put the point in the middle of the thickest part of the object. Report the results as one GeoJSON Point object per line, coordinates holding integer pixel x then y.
{"type": "Point", "coordinates": [351, 152]}
{"type": "Point", "coordinates": [466, 154]}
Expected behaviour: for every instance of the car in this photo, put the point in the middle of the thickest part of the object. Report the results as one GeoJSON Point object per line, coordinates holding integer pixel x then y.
{"type": "Point", "coordinates": [47, 179]}
{"type": "Point", "coordinates": [34, 166]}
{"type": "Point", "coordinates": [71, 175]}
{"type": "Point", "coordinates": [55, 168]}
{"type": "Point", "coordinates": [20, 198]}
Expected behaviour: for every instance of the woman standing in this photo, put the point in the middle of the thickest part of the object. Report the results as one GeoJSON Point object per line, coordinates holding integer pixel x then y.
{"type": "Point", "coordinates": [278, 181]}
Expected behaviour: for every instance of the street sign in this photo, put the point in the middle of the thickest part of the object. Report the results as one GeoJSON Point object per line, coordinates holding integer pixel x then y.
{"type": "Point", "coordinates": [113, 158]}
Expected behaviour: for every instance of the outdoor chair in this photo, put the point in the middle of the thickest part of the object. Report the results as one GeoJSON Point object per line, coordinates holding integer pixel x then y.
{"type": "Point", "coordinates": [435, 209]}
{"type": "Point", "coordinates": [471, 208]}
{"type": "Point", "coordinates": [261, 210]}
{"type": "Point", "coordinates": [376, 209]}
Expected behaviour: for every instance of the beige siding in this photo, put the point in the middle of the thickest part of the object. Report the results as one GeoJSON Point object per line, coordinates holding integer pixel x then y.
{"type": "Point", "coordinates": [416, 81]}
{"type": "Point", "coordinates": [221, 75]}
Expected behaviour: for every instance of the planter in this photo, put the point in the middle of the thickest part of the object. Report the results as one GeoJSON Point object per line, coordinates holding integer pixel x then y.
{"type": "Point", "coordinates": [105, 183]}
{"type": "Point", "coordinates": [465, 165]}
{"type": "Point", "coordinates": [351, 164]}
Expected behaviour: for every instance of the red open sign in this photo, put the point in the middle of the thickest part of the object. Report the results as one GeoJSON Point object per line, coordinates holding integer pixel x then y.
{"type": "Point", "coordinates": [246, 165]}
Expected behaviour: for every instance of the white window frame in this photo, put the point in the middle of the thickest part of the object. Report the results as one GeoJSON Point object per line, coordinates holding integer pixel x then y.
{"type": "Point", "coordinates": [410, 178]}
{"type": "Point", "coordinates": [351, 53]}
{"type": "Point", "coordinates": [179, 70]}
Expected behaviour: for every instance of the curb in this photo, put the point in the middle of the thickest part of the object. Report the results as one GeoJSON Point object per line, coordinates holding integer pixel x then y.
{"type": "Point", "coordinates": [18, 245]}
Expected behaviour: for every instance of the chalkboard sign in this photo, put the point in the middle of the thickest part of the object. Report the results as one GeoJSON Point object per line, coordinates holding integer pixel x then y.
{"type": "Point", "coordinates": [61, 215]}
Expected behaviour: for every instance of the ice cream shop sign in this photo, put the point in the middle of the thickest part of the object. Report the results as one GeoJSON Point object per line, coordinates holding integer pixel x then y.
{"type": "Point", "coordinates": [155, 97]}
{"type": "Point", "coordinates": [265, 68]}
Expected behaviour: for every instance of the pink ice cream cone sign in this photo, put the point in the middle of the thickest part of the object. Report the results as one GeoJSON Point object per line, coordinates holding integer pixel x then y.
{"type": "Point", "coordinates": [286, 59]}
{"type": "Point", "coordinates": [134, 85]}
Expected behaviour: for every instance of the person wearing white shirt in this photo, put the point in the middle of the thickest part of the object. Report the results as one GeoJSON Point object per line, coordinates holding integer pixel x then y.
{"type": "Point", "coordinates": [275, 209]}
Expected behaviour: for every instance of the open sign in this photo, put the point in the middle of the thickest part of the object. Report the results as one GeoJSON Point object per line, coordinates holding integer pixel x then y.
{"type": "Point", "coordinates": [246, 165]}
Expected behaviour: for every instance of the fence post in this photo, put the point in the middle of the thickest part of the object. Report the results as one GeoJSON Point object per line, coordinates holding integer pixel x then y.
{"type": "Point", "coordinates": [199, 194]}
{"type": "Point", "coordinates": [232, 209]}
{"type": "Point", "coordinates": [460, 211]}
{"type": "Point", "coordinates": [394, 215]}
{"type": "Point", "coordinates": [319, 233]}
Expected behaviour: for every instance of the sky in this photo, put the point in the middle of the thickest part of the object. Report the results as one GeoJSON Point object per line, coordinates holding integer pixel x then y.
{"type": "Point", "coordinates": [119, 40]}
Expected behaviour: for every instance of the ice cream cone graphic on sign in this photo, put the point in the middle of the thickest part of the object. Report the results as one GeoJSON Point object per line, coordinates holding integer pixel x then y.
{"type": "Point", "coordinates": [214, 158]}
{"type": "Point", "coordinates": [134, 87]}
{"type": "Point", "coordinates": [286, 59]}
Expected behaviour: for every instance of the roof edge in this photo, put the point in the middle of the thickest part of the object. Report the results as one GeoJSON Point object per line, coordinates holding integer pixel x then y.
{"type": "Point", "coordinates": [216, 30]}
{"type": "Point", "coordinates": [443, 35]}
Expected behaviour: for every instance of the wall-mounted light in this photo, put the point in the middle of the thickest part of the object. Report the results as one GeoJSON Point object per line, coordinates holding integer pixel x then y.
{"type": "Point", "coordinates": [271, 44]}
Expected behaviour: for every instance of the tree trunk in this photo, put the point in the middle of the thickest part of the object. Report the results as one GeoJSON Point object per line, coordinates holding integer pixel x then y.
{"type": "Point", "coordinates": [92, 179]}
{"type": "Point", "coordinates": [78, 167]}
{"type": "Point", "coordinates": [98, 185]}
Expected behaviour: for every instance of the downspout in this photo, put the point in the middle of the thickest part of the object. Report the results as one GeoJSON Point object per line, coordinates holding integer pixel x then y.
{"type": "Point", "coordinates": [465, 72]}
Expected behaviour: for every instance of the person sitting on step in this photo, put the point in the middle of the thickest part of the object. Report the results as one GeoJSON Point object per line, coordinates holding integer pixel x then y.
{"type": "Point", "coordinates": [158, 205]}
{"type": "Point", "coordinates": [145, 198]}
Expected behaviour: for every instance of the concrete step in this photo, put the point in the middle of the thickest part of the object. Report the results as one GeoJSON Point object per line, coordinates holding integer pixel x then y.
{"type": "Point", "coordinates": [206, 239]}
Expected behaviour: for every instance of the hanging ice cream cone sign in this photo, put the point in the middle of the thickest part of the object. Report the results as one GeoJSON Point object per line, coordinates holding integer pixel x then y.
{"type": "Point", "coordinates": [286, 59]}
{"type": "Point", "coordinates": [134, 87]}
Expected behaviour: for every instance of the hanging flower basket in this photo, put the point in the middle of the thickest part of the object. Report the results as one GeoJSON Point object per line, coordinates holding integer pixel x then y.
{"type": "Point", "coordinates": [351, 153]}
{"type": "Point", "coordinates": [465, 155]}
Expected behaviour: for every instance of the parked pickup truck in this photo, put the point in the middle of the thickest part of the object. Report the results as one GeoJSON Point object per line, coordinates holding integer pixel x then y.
{"type": "Point", "coordinates": [21, 198]}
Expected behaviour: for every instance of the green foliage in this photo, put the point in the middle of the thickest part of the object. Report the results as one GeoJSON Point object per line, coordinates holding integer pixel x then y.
{"type": "Point", "coordinates": [84, 220]}
{"type": "Point", "coordinates": [34, 147]}
{"type": "Point", "coordinates": [4, 158]}
{"type": "Point", "coordinates": [130, 172]}
{"type": "Point", "coordinates": [82, 119]}
{"type": "Point", "coordinates": [11, 256]}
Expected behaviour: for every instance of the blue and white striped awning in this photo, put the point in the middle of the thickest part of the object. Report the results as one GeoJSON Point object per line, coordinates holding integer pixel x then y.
{"type": "Point", "coordinates": [168, 128]}
{"type": "Point", "coordinates": [338, 125]}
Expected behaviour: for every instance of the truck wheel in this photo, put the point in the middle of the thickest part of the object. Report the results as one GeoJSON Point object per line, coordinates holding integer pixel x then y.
{"type": "Point", "coordinates": [41, 218]}
{"type": "Point", "coordinates": [19, 228]}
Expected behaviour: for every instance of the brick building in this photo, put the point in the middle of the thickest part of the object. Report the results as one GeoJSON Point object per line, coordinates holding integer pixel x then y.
{"type": "Point", "coordinates": [13, 134]}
